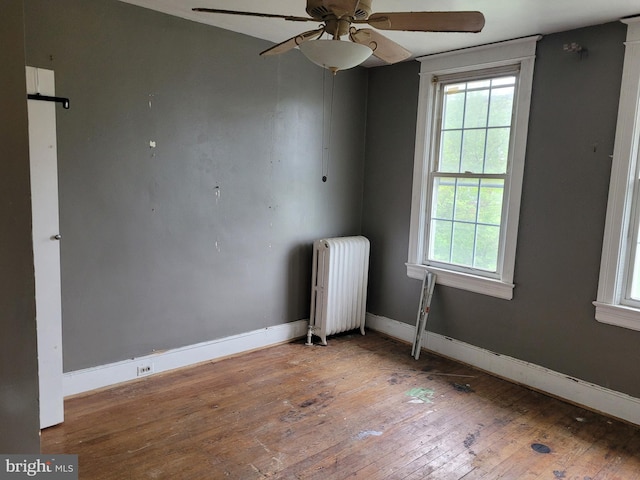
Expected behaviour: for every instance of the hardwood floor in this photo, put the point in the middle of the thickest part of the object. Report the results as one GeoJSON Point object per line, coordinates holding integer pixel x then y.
{"type": "Point", "coordinates": [359, 408]}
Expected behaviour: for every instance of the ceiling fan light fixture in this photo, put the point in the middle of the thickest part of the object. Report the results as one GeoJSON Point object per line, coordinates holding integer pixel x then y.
{"type": "Point", "coordinates": [334, 54]}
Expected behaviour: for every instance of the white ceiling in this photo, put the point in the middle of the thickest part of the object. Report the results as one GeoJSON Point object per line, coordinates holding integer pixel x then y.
{"type": "Point", "coordinates": [505, 19]}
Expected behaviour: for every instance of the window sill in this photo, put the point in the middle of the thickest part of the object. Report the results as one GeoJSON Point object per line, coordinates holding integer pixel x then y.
{"type": "Point", "coordinates": [618, 315]}
{"type": "Point", "coordinates": [464, 281]}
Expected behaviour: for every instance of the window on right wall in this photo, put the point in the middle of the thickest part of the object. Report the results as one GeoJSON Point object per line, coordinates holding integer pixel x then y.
{"type": "Point", "coordinates": [618, 301]}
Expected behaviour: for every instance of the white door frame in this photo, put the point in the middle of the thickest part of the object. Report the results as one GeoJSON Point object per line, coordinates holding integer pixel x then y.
{"type": "Point", "coordinates": [46, 245]}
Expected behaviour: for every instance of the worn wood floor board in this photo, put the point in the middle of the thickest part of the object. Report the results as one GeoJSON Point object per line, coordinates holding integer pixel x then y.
{"type": "Point", "coordinates": [500, 450]}
{"type": "Point", "coordinates": [397, 385]}
{"type": "Point", "coordinates": [621, 456]}
{"type": "Point", "coordinates": [415, 440]}
{"type": "Point", "coordinates": [434, 429]}
{"type": "Point", "coordinates": [480, 436]}
{"type": "Point", "coordinates": [521, 459]}
{"type": "Point", "coordinates": [518, 408]}
{"type": "Point", "coordinates": [359, 408]}
{"type": "Point", "coordinates": [375, 417]}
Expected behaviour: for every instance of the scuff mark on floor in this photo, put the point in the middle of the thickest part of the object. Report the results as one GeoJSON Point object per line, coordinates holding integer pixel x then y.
{"type": "Point", "coordinates": [368, 433]}
{"type": "Point", "coordinates": [262, 445]}
{"type": "Point", "coordinates": [470, 440]}
{"type": "Point", "coordinates": [397, 378]}
{"type": "Point", "coordinates": [138, 449]}
{"type": "Point", "coordinates": [466, 388]}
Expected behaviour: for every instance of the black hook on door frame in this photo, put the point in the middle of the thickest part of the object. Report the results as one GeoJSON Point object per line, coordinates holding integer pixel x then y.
{"type": "Point", "coordinates": [46, 98]}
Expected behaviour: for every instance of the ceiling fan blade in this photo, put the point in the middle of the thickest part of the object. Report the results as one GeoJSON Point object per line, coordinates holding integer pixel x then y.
{"type": "Point", "coordinates": [383, 48]}
{"type": "Point", "coordinates": [293, 42]}
{"type": "Point", "coordinates": [254, 14]}
{"type": "Point", "coordinates": [341, 8]}
{"type": "Point", "coordinates": [427, 21]}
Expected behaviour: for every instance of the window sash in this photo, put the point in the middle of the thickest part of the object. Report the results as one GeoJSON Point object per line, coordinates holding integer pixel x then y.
{"type": "Point", "coordinates": [430, 258]}
{"type": "Point", "coordinates": [439, 84]}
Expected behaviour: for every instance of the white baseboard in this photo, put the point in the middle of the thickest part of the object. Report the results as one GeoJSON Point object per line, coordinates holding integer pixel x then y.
{"type": "Point", "coordinates": [81, 381]}
{"type": "Point", "coordinates": [592, 396]}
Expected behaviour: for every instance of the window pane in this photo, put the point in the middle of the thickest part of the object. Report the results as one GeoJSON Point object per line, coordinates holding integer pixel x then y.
{"type": "Point", "coordinates": [450, 151]}
{"type": "Point", "coordinates": [476, 84]}
{"type": "Point", "coordinates": [463, 244]}
{"type": "Point", "coordinates": [476, 109]}
{"type": "Point", "coordinates": [501, 106]}
{"type": "Point", "coordinates": [473, 145]}
{"type": "Point", "coordinates": [441, 231]}
{"type": "Point", "coordinates": [497, 150]}
{"type": "Point", "coordinates": [490, 203]}
{"type": "Point", "coordinates": [466, 207]}
{"type": "Point", "coordinates": [453, 108]}
{"type": "Point", "coordinates": [486, 254]}
{"type": "Point", "coordinates": [443, 198]}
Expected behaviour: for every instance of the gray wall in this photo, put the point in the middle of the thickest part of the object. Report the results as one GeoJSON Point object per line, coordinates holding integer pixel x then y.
{"type": "Point", "coordinates": [550, 321]}
{"type": "Point", "coordinates": [19, 418]}
{"type": "Point", "coordinates": [392, 108]}
{"type": "Point", "coordinates": [208, 234]}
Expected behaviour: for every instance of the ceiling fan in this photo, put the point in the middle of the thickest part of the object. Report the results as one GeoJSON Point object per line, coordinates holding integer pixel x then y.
{"type": "Point", "coordinates": [337, 18]}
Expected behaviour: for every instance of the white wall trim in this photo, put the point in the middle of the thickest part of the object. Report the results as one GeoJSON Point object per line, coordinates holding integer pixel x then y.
{"type": "Point", "coordinates": [88, 379]}
{"type": "Point", "coordinates": [595, 397]}
{"type": "Point", "coordinates": [489, 53]}
{"type": "Point", "coordinates": [464, 281]}
{"type": "Point", "coordinates": [618, 315]}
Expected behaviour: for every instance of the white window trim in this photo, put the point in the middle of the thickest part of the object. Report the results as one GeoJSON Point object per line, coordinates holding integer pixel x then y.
{"type": "Point", "coordinates": [520, 51]}
{"type": "Point", "coordinates": [624, 167]}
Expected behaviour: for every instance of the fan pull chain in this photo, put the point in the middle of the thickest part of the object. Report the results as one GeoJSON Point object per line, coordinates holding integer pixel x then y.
{"type": "Point", "coordinates": [326, 130]}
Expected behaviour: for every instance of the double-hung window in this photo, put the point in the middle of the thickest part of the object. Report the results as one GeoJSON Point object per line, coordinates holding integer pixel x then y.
{"type": "Point", "coordinates": [470, 145]}
{"type": "Point", "coordinates": [469, 171]}
{"type": "Point", "coordinates": [618, 300]}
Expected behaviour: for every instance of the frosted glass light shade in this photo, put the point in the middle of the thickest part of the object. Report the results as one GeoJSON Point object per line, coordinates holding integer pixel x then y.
{"type": "Point", "coordinates": [335, 54]}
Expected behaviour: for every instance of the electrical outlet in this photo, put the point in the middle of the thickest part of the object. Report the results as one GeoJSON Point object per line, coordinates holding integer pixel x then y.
{"type": "Point", "coordinates": [145, 369]}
